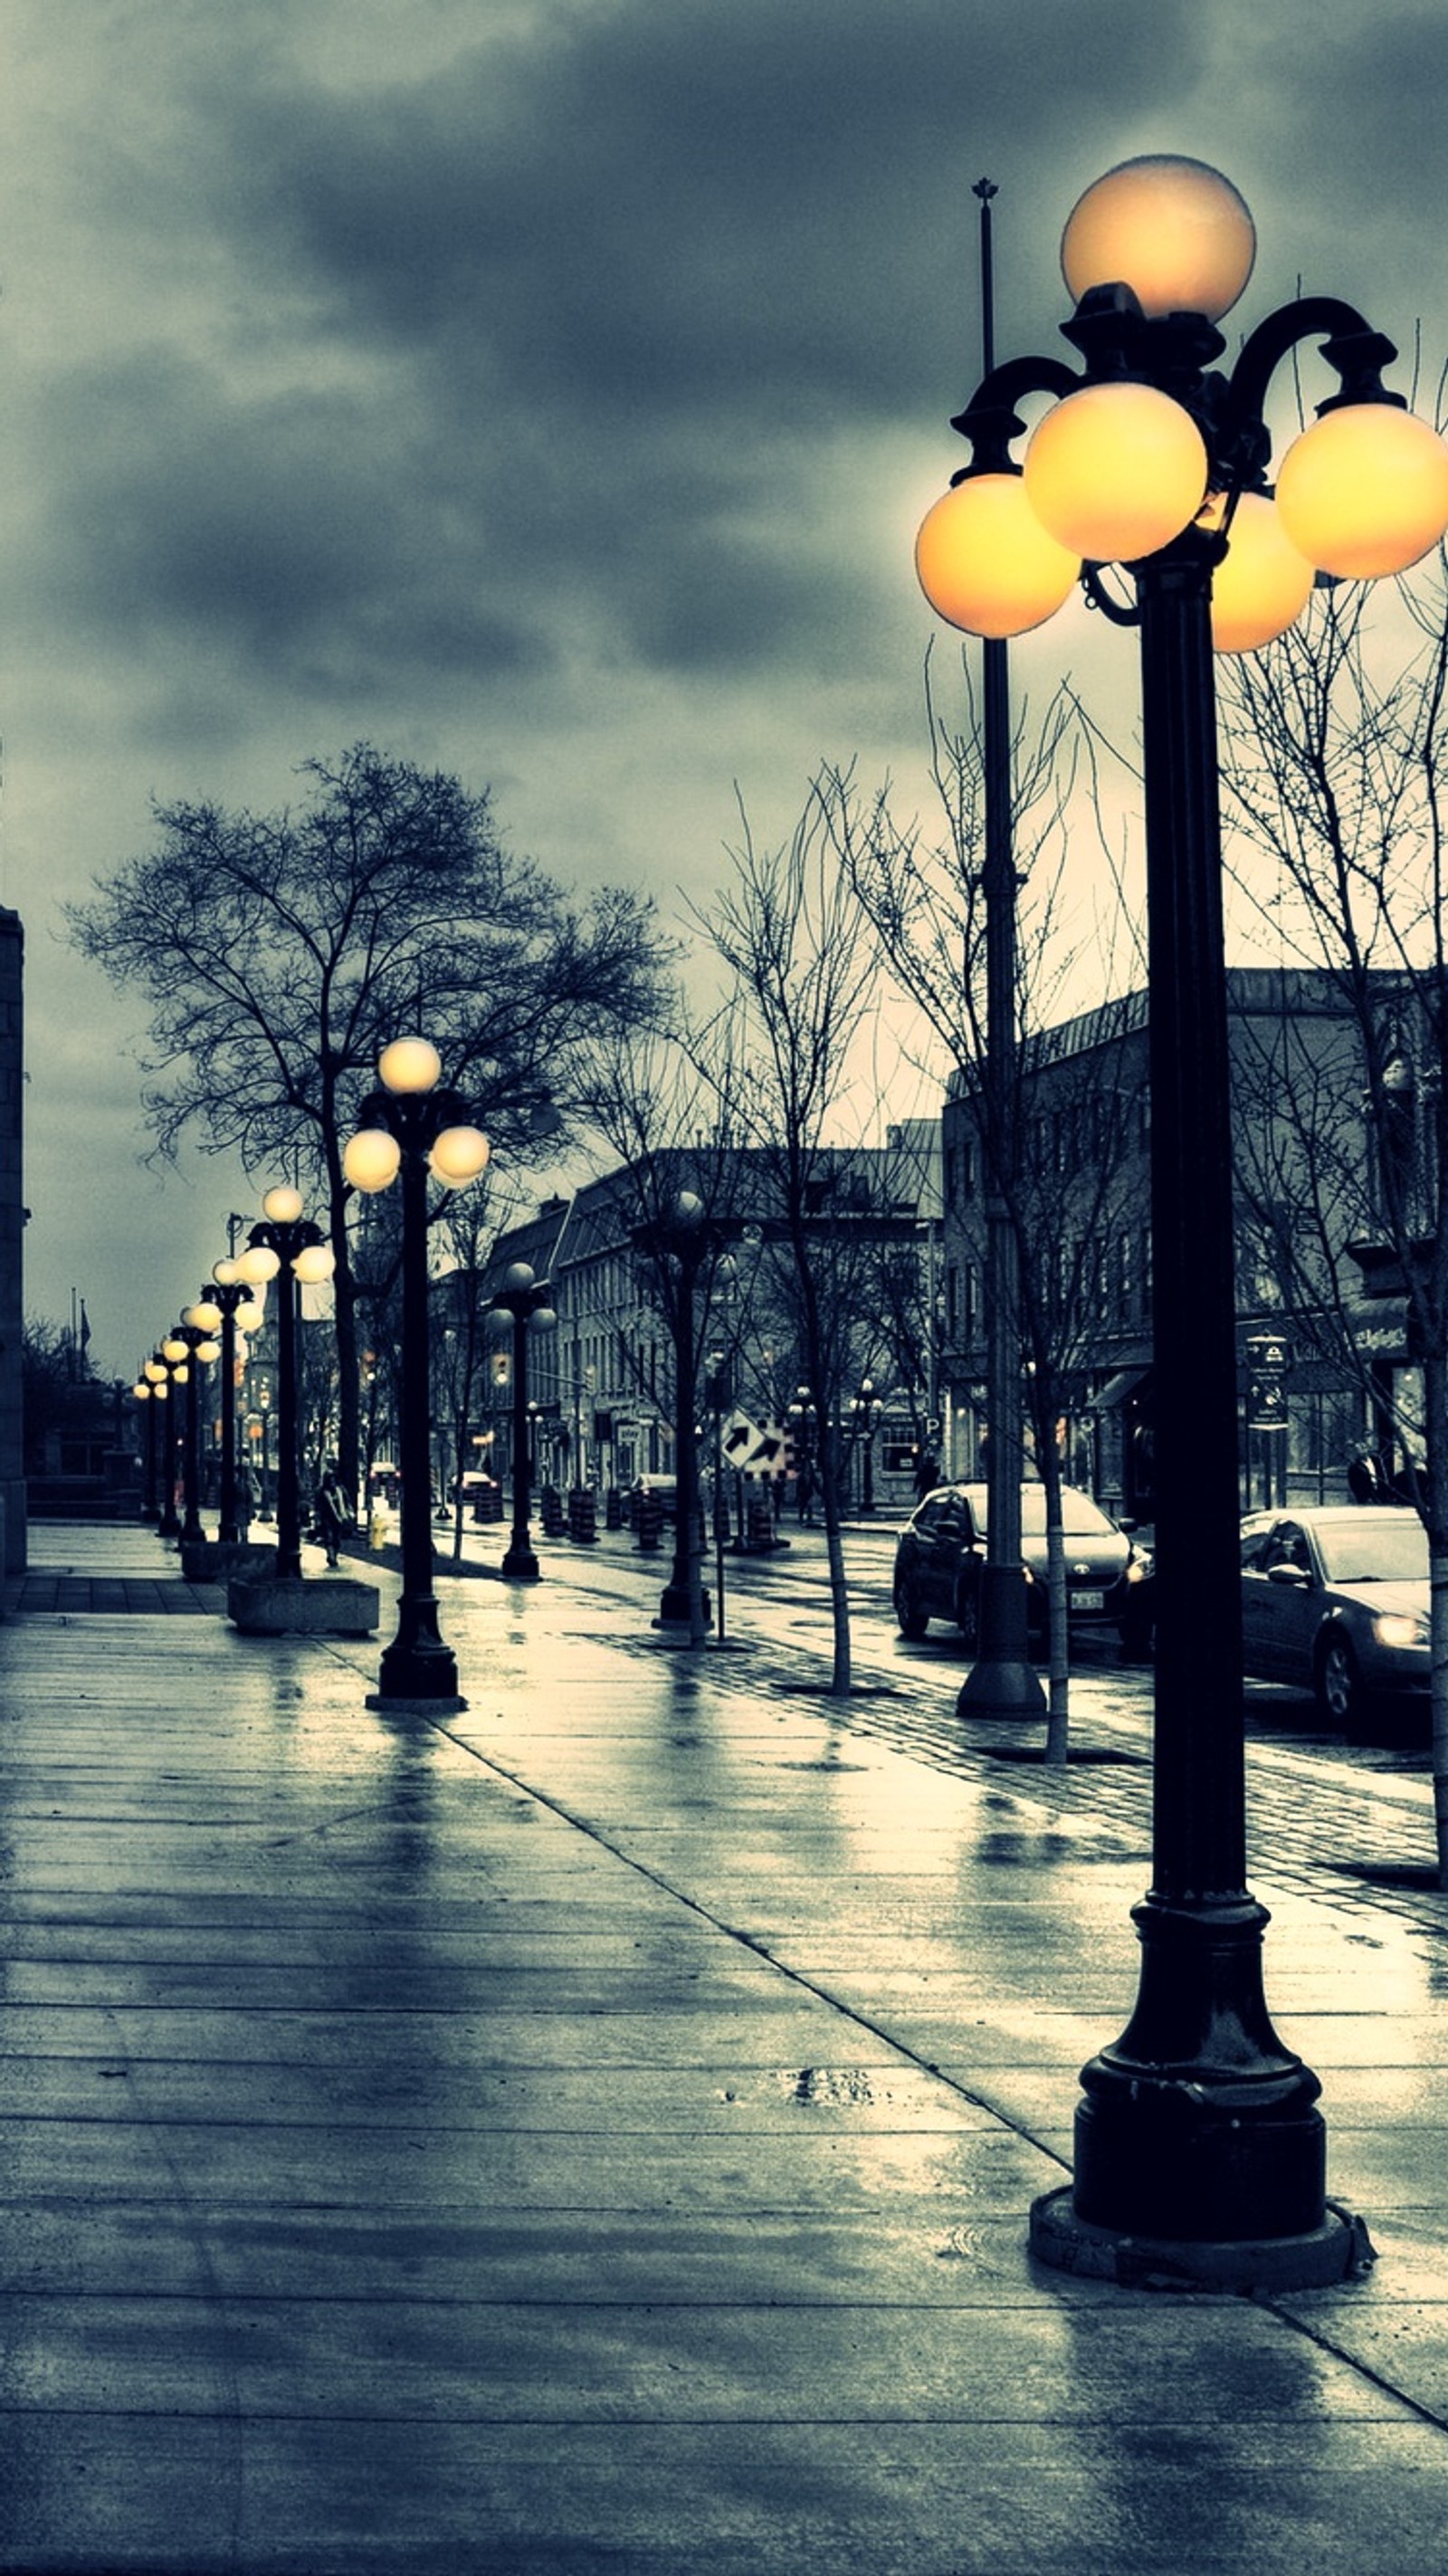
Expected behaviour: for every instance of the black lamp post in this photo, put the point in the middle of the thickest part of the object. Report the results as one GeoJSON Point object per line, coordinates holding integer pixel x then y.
{"type": "Point", "coordinates": [196, 1330]}
{"type": "Point", "coordinates": [167, 1373]}
{"type": "Point", "coordinates": [865, 1411]}
{"type": "Point", "coordinates": [290, 1248]}
{"type": "Point", "coordinates": [235, 1300]}
{"type": "Point", "coordinates": [1199, 2133]}
{"type": "Point", "coordinates": [524, 1302]}
{"type": "Point", "coordinates": [678, 1243]}
{"type": "Point", "coordinates": [1002, 1681]}
{"type": "Point", "coordinates": [153, 1375]}
{"type": "Point", "coordinates": [414, 1126]}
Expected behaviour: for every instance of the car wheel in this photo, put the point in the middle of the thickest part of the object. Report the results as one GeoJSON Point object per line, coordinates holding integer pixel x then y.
{"type": "Point", "coordinates": [910, 1619]}
{"type": "Point", "coordinates": [967, 1613]}
{"type": "Point", "coordinates": [1337, 1680]}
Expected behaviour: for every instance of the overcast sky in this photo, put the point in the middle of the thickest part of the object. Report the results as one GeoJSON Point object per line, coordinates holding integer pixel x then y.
{"type": "Point", "coordinates": [550, 390]}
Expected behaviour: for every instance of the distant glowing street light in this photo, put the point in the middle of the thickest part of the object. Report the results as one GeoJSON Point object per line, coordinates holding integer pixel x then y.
{"type": "Point", "coordinates": [286, 1241]}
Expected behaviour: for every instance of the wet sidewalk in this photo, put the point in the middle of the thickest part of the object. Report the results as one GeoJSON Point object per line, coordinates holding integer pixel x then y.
{"type": "Point", "coordinates": [595, 2131]}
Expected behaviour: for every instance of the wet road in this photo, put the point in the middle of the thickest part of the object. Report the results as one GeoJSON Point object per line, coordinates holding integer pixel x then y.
{"type": "Point", "coordinates": [1315, 1802]}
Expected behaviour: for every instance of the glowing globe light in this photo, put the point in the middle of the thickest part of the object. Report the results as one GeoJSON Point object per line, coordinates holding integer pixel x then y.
{"type": "Point", "coordinates": [1364, 491]}
{"type": "Point", "coordinates": [1116, 471]}
{"type": "Point", "coordinates": [208, 1351]}
{"type": "Point", "coordinates": [250, 1315]}
{"type": "Point", "coordinates": [283, 1204]}
{"type": "Point", "coordinates": [410, 1064]}
{"type": "Point", "coordinates": [314, 1263]}
{"type": "Point", "coordinates": [1172, 229]}
{"type": "Point", "coordinates": [986, 563]}
{"type": "Point", "coordinates": [205, 1315]}
{"type": "Point", "coordinates": [258, 1264]}
{"type": "Point", "coordinates": [371, 1159]}
{"type": "Point", "coordinates": [458, 1155]}
{"type": "Point", "coordinates": [1263, 584]}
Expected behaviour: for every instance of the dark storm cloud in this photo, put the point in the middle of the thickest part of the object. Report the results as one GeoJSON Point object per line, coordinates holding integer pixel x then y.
{"type": "Point", "coordinates": [596, 303]}
{"type": "Point", "coordinates": [662, 205]}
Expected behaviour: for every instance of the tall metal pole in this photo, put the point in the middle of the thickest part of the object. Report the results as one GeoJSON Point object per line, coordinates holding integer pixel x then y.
{"type": "Point", "coordinates": [417, 1664]}
{"type": "Point", "coordinates": [288, 1490]}
{"type": "Point", "coordinates": [520, 1558]}
{"type": "Point", "coordinates": [1002, 1681]}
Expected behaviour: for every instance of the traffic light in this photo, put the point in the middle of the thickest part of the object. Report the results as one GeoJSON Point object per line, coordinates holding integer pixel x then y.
{"type": "Point", "coordinates": [502, 1368]}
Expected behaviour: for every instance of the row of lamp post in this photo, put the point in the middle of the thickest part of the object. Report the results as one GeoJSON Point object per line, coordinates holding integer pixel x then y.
{"type": "Point", "coordinates": [1198, 2132]}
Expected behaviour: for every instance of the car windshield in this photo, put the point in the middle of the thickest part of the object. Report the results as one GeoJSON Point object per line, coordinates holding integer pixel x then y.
{"type": "Point", "coordinates": [1080, 1517]}
{"type": "Point", "coordinates": [1382, 1547]}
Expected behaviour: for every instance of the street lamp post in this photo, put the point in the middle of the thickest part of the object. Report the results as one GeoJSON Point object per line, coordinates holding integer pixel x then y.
{"type": "Point", "coordinates": [237, 1304]}
{"type": "Point", "coordinates": [1198, 2133]}
{"type": "Point", "coordinates": [1001, 1681]}
{"type": "Point", "coordinates": [679, 1242]}
{"type": "Point", "coordinates": [167, 1373]}
{"type": "Point", "coordinates": [524, 1303]}
{"type": "Point", "coordinates": [865, 1410]}
{"type": "Point", "coordinates": [148, 1394]}
{"type": "Point", "coordinates": [411, 1127]}
{"type": "Point", "coordinates": [286, 1242]}
{"type": "Point", "coordinates": [196, 1332]}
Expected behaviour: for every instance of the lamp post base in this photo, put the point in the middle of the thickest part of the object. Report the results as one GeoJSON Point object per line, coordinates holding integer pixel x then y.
{"type": "Point", "coordinates": [674, 1606]}
{"type": "Point", "coordinates": [417, 1665]}
{"type": "Point", "coordinates": [1337, 2250]}
{"type": "Point", "coordinates": [1002, 1682]}
{"type": "Point", "coordinates": [520, 1563]}
{"type": "Point", "coordinates": [1198, 2127]}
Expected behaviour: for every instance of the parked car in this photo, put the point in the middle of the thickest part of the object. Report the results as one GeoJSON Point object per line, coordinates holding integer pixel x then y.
{"type": "Point", "coordinates": [1335, 1600]}
{"type": "Point", "coordinates": [942, 1548]}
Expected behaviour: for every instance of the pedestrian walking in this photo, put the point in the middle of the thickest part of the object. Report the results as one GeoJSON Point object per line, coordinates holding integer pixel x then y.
{"type": "Point", "coordinates": [334, 1511]}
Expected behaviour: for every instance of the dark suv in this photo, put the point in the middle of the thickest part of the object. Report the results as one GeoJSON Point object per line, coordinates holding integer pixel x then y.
{"type": "Point", "coordinates": [942, 1549]}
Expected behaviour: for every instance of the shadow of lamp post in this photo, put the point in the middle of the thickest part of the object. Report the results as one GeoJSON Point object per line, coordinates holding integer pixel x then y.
{"type": "Point", "coordinates": [1198, 2134]}
{"type": "Point", "coordinates": [286, 1242]}
{"type": "Point", "coordinates": [523, 1304]}
{"type": "Point", "coordinates": [411, 1127]}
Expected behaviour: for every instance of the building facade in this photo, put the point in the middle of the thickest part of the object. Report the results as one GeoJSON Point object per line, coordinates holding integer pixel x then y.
{"type": "Point", "coordinates": [602, 1391]}
{"type": "Point", "coordinates": [1310, 1338]}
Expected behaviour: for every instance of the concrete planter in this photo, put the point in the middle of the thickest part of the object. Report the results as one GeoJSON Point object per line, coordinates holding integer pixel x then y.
{"type": "Point", "coordinates": [322, 1606]}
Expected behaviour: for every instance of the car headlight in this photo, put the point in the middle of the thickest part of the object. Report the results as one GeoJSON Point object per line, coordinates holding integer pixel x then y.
{"type": "Point", "coordinates": [1400, 1628]}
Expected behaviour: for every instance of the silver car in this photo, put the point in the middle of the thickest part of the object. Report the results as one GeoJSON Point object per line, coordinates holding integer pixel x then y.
{"type": "Point", "coordinates": [1335, 1600]}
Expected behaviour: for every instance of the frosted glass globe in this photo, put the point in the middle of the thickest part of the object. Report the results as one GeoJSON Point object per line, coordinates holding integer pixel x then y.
{"type": "Point", "coordinates": [1172, 229]}
{"type": "Point", "coordinates": [371, 1158]}
{"type": "Point", "coordinates": [985, 562]}
{"type": "Point", "coordinates": [1364, 491]}
{"type": "Point", "coordinates": [1116, 471]}
{"type": "Point", "coordinates": [1263, 584]}
{"type": "Point", "coordinates": [410, 1064]}
{"type": "Point", "coordinates": [458, 1155]}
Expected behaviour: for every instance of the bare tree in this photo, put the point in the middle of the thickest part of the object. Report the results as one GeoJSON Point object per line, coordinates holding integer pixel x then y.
{"type": "Point", "coordinates": [803, 981]}
{"type": "Point", "coordinates": [278, 953]}
{"type": "Point", "coordinates": [1333, 772]}
{"type": "Point", "coordinates": [925, 900]}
